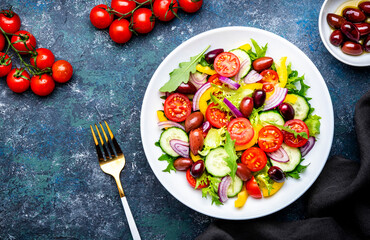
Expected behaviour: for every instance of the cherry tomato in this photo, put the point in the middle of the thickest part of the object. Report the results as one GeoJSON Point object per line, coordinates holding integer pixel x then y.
{"type": "Point", "coordinates": [143, 1]}
{"type": "Point", "coordinates": [240, 130]}
{"type": "Point", "coordinates": [254, 158]}
{"type": "Point", "coordinates": [123, 7]}
{"type": "Point", "coordinates": [2, 41]}
{"type": "Point", "coordinates": [100, 18]}
{"type": "Point", "coordinates": [270, 138]}
{"type": "Point", "coordinates": [216, 117]}
{"type": "Point", "coordinates": [268, 87]}
{"type": "Point", "coordinates": [269, 76]}
{"type": "Point", "coordinates": [298, 126]}
{"type": "Point", "coordinates": [193, 182]}
{"type": "Point", "coordinates": [190, 6]}
{"type": "Point", "coordinates": [227, 64]}
{"type": "Point", "coordinates": [43, 58]}
{"type": "Point", "coordinates": [165, 10]}
{"type": "Point", "coordinates": [119, 31]}
{"type": "Point", "coordinates": [23, 47]}
{"type": "Point", "coordinates": [143, 20]}
{"type": "Point", "coordinates": [42, 85]}
{"type": "Point", "coordinates": [215, 79]}
{"type": "Point", "coordinates": [5, 64]}
{"type": "Point", "coordinates": [253, 189]}
{"type": "Point", "coordinates": [177, 107]}
{"type": "Point", "coordinates": [18, 80]}
{"type": "Point", "coordinates": [62, 71]}
{"type": "Point", "coordinates": [9, 21]}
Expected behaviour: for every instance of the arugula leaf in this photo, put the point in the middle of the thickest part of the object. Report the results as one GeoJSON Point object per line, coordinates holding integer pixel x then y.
{"type": "Point", "coordinates": [260, 52]}
{"type": "Point", "coordinates": [231, 159]}
{"type": "Point", "coordinates": [170, 160]}
{"type": "Point", "coordinates": [287, 129]}
{"type": "Point", "coordinates": [212, 190]}
{"type": "Point", "coordinates": [313, 124]}
{"type": "Point", "coordinates": [181, 74]}
{"type": "Point", "coordinates": [299, 169]}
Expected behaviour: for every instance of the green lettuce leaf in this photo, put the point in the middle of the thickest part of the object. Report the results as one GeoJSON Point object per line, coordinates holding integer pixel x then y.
{"type": "Point", "coordinates": [212, 189]}
{"type": "Point", "coordinates": [215, 138]}
{"type": "Point", "coordinates": [231, 159]}
{"type": "Point", "coordinates": [170, 160]}
{"type": "Point", "coordinates": [313, 124]}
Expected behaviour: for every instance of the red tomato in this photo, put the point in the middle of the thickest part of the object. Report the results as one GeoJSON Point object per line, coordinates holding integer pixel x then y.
{"type": "Point", "coordinates": [5, 64]}
{"type": "Point", "coordinates": [190, 6]}
{"type": "Point", "coordinates": [254, 158]}
{"type": "Point", "coordinates": [270, 138]}
{"type": "Point", "coordinates": [123, 7]}
{"type": "Point", "coordinates": [268, 87]}
{"type": "Point", "coordinates": [62, 71]}
{"type": "Point", "coordinates": [165, 10]}
{"type": "Point", "coordinates": [216, 117]}
{"type": "Point", "coordinates": [226, 64]}
{"type": "Point", "coordinates": [214, 79]}
{"type": "Point", "coordinates": [119, 31]}
{"type": "Point", "coordinates": [143, 20]}
{"type": "Point", "coordinates": [240, 130]}
{"type": "Point", "coordinates": [27, 43]}
{"type": "Point", "coordinates": [193, 182]}
{"type": "Point", "coordinates": [269, 76]}
{"type": "Point", "coordinates": [42, 85]}
{"type": "Point", "coordinates": [2, 41]}
{"type": "Point", "coordinates": [100, 18]}
{"type": "Point", "coordinates": [9, 21]}
{"type": "Point", "coordinates": [43, 58]}
{"type": "Point", "coordinates": [177, 107]}
{"type": "Point", "coordinates": [253, 189]}
{"type": "Point", "coordinates": [298, 126]}
{"type": "Point", "coordinates": [18, 80]}
{"type": "Point", "coordinates": [143, 1]}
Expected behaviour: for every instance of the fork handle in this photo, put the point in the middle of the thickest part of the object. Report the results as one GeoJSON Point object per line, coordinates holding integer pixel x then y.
{"type": "Point", "coordinates": [130, 219]}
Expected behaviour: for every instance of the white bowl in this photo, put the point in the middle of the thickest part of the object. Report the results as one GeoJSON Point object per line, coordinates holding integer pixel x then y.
{"type": "Point", "coordinates": [330, 6]}
{"type": "Point", "coordinates": [230, 38]}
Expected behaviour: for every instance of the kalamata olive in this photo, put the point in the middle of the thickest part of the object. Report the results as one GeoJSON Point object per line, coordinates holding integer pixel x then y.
{"type": "Point", "coordinates": [193, 121]}
{"type": "Point", "coordinates": [336, 38]}
{"type": "Point", "coordinates": [334, 20]}
{"type": "Point", "coordinates": [243, 172]}
{"type": "Point", "coordinates": [363, 28]}
{"type": "Point", "coordinates": [197, 168]}
{"type": "Point", "coordinates": [182, 164]}
{"type": "Point", "coordinates": [352, 48]}
{"type": "Point", "coordinates": [262, 63]}
{"type": "Point", "coordinates": [211, 55]}
{"type": "Point", "coordinates": [366, 44]}
{"type": "Point", "coordinates": [246, 106]}
{"type": "Point", "coordinates": [259, 97]}
{"type": "Point", "coordinates": [354, 15]}
{"type": "Point", "coordinates": [186, 88]}
{"type": "Point", "coordinates": [276, 174]}
{"type": "Point", "coordinates": [351, 31]}
{"type": "Point", "coordinates": [196, 140]}
{"type": "Point", "coordinates": [365, 7]}
{"type": "Point", "coordinates": [287, 111]}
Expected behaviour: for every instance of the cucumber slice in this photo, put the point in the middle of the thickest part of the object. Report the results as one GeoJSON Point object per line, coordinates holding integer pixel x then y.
{"type": "Point", "coordinates": [235, 187]}
{"type": "Point", "coordinates": [169, 134]}
{"type": "Point", "coordinates": [272, 116]}
{"type": "Point", "coordinates": [301, 107]}
{"type": "Point", "coordinates": [294, 159]}
{"type": "Point", "coordinates": [245, 61]}
{"type": "Point", "coordinates": [216, 164]}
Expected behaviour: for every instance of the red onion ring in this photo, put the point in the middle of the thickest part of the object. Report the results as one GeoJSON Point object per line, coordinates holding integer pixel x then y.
{"type": "Point", "coordinates": [166, 124]}
{"type": "Point", "coordinates": [232, 84]}
{"type": "Point", "coordinates": [180, 147]}
{"type": "Point", "coordinates": [198, 94]}
{"type": "Point", "coordinates": [276, 99]}
{"type": "Point", "coordinates": [279, 155]}
{"type": "Point", "coordinates": [252, 77]}
{"type": "Point", "coordinates": [222, 188]}
{"type": "Point", "coordinates": [308, 146]}
{"type": "Point", "coordinates": [233, 109]}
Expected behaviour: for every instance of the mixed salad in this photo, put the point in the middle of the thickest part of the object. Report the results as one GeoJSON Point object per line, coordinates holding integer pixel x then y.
{"type": "Point", "coordinates": [238, 122]}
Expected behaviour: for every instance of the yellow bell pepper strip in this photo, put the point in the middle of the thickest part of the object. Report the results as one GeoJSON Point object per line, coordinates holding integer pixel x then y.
{"type": "Point", "coordinates": [203, 100]}
{"type": "Point", "coordinates": [282, 72]}
{"type": "Point", "coordinates": [290, 98]}
{"type": "Point", "coordinates": [275, 188]}
{"type": "Point", "coordinates": [253, 86]}
{"type": "Point", "coordinates": [161, 116]}
{"type": "Point", "coordinates": [206, 70]}
{"type": "Point", "coordinates": [246, 47]}
{"type": "Point", "coordinates": [195, 158]}
{"type": "Point", "coordinates": [242, 198]}
{"type": "Point", "coordinates": [251, 142]}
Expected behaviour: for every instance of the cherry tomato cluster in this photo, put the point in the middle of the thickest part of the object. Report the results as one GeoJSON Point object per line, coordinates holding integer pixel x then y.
{"type": "Point", "coordinates": [44, 69]}
{"type": "Point", "coordinates": [137, 16]}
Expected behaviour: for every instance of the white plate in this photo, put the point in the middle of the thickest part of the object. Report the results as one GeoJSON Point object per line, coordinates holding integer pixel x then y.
{"type": "Point", "coordinates": [330, 6]}
{"type": "Point", "coordinates": [230, 38]}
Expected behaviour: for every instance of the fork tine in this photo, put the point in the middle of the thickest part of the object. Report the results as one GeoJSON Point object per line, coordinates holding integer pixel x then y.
{"type": "Point", "coordinates": [107, 141]}
{"type": "Point", "coordinates": [116, 146]}
{"type": "Point", "coordinates": [102, 142]}
{"type": "Point", "coordinates": [98, 150]}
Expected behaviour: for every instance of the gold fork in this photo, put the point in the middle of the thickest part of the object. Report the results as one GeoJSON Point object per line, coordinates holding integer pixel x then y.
{"type": "Point", "coordinates": [112, 164]}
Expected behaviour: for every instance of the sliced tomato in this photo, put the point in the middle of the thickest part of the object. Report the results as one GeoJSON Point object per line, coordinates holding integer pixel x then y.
{"type": "Point", "coordinates": [177, 107]}
{"type": "Point", "coordinates": [298, 126]}
{"type": "Point", "coordinates": [254, 158]}
{"type": "Point", "coordinates": [253, 189]}
{"type": "Point", "coordinates": [268, 87]}
{"type": "Point", "coordinates": [269, 76]}
{"type": "Point", "coordinates": [270, 138]}
{"type": "Point", "coordinates": [214, 79]}
{"type": "Point", "coordinates": [227, 64]}
{"type": "Point", "coordinates": [216, 117]}
{"type": "Point", "coordinates": [193, 182]}
{"type": "Point", "coordinates": [240, 130]}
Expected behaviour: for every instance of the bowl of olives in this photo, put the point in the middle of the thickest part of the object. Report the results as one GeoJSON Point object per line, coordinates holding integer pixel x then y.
{"type": "Point", "coordinates": [345, 30]}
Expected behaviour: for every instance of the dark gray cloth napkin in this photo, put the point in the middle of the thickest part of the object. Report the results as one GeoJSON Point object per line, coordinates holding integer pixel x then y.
{"type": "Point", "coordinates": [338, 204]}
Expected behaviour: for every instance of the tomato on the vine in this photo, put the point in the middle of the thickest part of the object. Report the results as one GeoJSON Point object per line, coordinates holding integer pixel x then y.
{"type": "Point", "coordinates": [42, 85]}
{"type": "Point", "coordinates": [9, 21]}
{"type": "Point", "coordinates": [298, 126]}
{"type": "Point", "coordinates": [143, 20]}
{"type": "Point", "coordinates": [165, 10]}
{"type": "Point", "coordinates": [123, 7]}
{"type": "Point", "coordinates": [18, 80]}
{"type": "Point", "coordinates": [43, 58]}
{"type": "Point", "coordinates": [254, 158]}
{"type": "Point", "coordinates": [190, 6]}
{"type": "Point", "coordinates": [5, 64]}
{"type": "Point", "coordinates": [62, 71]}
{"type": "Point", "coordinates": [100, 17]}
{"type": "Point", "coordinates": [24, 42]}
{"type": "Point", "coordinates": [119, 31]}
{"type": "Point", "coordinates": [143, 1]}
{"type": "Point", "coordinates": [193, 182]}
{"type": "Point", "coordinates": [2, 41]}
{"type": "Point", "coordinates": [270, 138]}
{"type": "Point", "coordinates": [227, 64]}
{"type": "Point", "coordinates": [177, 107]}
{"type": "Point", "coordinates": [216, 117]}
{"type": "Point", "coordinates": [240, 130]}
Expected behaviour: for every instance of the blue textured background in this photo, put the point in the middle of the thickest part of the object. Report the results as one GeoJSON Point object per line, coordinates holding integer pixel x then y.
{"type": "Point", "coordinates": [51, 186]}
